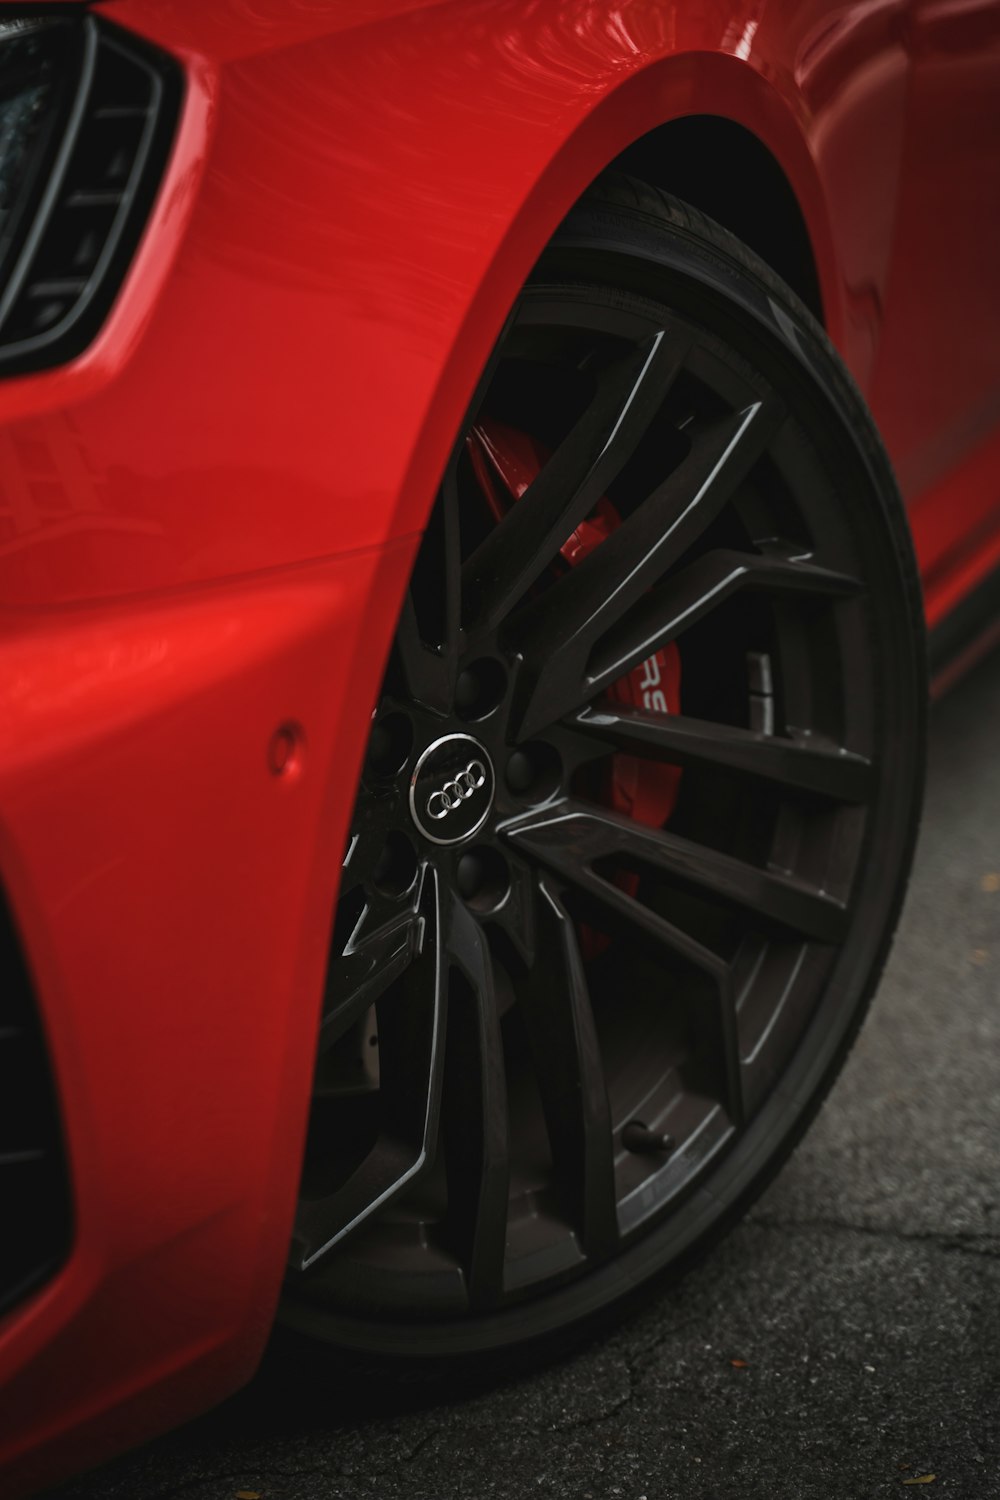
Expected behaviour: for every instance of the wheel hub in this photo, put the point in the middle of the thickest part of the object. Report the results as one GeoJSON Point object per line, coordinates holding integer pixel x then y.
{"type": "Point", "coordinates": [451, 789]}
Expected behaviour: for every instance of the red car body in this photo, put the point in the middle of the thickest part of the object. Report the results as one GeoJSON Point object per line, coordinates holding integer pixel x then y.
{"type": "Point", "coordinates": [208, 517]}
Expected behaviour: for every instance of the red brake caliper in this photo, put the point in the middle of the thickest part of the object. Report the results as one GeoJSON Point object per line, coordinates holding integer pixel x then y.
{"type": "Point", "coordinates": [639, 789]}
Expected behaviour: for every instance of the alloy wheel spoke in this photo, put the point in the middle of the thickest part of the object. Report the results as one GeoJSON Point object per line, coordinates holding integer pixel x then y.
{"type": "Point", "coordinates": [474, 1124]}
{"type": "Point", "coordinates": [411, 1030]}
{"type": "Point", "coordinates": [427, 673]}
{"type": "Point", "coordinates": [582, 835]}
{"type": "Point", "coordinates": [629, 395]}
{"type": "Point", "coordinates": [732, 1062]}
{"type": "Point", "coordinates": [365, 970]}
{"type": "Point", "coordinates": [553, 847]}
{"type": "Point", "coordinates": [452, 562]}
{"type": "Point", "coordinates": [430, 666]}
{"type": "Point", "coordinates": [798, 765]}
{"type": "Point", "coordinates": [518, 917]}
{"type": "Point", "coordinates": [570, 1074]}
{"type": "Point", "coordinates": [675, 605]}
{"type": "Point", "coordinates": [585, 603]}
{"type": "Point", "coordinates": [566, 677]}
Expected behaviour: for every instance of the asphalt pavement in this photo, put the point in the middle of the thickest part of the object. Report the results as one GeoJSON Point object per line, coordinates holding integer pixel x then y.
{"type": "Point", "coordinates": [843, 1341]}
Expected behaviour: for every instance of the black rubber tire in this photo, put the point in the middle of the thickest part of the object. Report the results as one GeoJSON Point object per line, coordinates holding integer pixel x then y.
{"type": "Point", "coordinates": [630, 236]}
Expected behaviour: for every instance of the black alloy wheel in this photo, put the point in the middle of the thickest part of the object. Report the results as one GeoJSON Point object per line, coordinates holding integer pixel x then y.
{"type": "Point", "coordinates": [638, 807]}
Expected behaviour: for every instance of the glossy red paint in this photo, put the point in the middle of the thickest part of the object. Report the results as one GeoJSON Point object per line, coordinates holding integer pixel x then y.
{"type": "Point", "coordinates": [207, 521]}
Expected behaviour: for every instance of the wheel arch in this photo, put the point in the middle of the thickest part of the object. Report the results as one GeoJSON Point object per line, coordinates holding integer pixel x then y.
{"type": "Point", "coordinates": [723, 169]}
{"type": "Point", "coordinates": [762, 178]}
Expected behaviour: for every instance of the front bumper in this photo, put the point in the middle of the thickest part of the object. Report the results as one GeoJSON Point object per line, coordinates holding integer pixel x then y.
{"type": "Point", "coordinates": [173, 891]}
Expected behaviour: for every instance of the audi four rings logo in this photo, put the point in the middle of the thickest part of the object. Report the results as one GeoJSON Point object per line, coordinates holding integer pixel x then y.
{"type": "Point", "coordinates": [454, 793]}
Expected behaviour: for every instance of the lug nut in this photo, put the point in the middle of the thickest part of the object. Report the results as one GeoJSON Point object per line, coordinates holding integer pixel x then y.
{"type": "Point", "coordinates": [520, 772]}
{"type": "Point", "coordinates": [466, 690]}
{"type": "Point", "coordinates": [470, 875]}
{"type": "Point", "coordinates": [483, 878]}
{"type": "Point", "coordinates": [534, 771]}
{"type": "Point", "coordinates": [480, 688]}
{"type": "Point", "coordinates": [396, 868]}
{"type": "Point", "coordinates": [390, 743]}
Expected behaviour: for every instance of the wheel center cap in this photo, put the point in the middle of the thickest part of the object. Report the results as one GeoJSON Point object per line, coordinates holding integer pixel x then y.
{"type": "Point", "coordinates": [451, 789]}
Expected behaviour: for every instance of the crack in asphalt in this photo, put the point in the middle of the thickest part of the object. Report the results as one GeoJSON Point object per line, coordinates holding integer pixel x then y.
{"type": "Point", "coordinates": [634, 1359]}
{"type": "Point", "coordinates": [249, 1476]}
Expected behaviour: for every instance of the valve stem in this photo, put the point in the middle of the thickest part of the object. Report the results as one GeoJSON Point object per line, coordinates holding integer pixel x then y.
{"type": "Point", "coordinates": [639, 1138]}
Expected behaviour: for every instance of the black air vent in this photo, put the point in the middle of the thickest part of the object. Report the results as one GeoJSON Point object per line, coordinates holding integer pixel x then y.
{"type": "Point", "coordinates": [34, 1186]}
{"type": "Point", "coordinates": [87, 115]}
